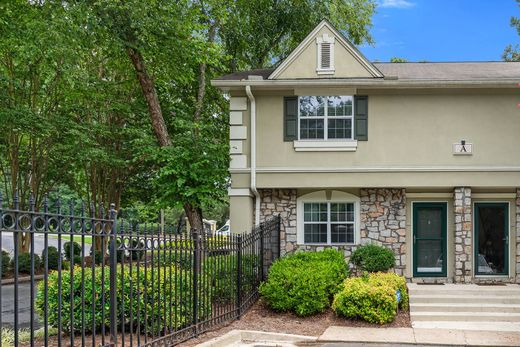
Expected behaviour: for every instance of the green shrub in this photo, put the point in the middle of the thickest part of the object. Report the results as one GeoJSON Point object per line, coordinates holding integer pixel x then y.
{"type": "Point", "coordinates": [53, 257]}
{"type": "Point", "coordinates": [395, 281]}
{"type": "Point", "coordinates": [136, 254]}
{"type": "Point", "coordinates": [361, 299]}
{"type": "Point", "coordinates": [221, 270]}
{"type": "Point", "coordinates": [304, 282]}
{"type": "Point", "coordinates": [373, 258]}
{"type": "Point", "coordinates": [162, 299]}
{"type": "Point", "coordinates": [24, 263]}
{"type": "Point", "coordinates": [96, 256]}
{"type": "Point", "coordinates": [76, 252]}
{"type": "Point", "coordinates": [5, 263]}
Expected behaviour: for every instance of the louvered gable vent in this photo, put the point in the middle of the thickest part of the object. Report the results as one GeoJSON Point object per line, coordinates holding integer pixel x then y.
{"type": "Point", "coordinates": [325, 54]}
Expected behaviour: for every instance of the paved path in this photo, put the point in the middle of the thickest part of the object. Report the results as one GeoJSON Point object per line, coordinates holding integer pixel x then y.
{"type": "Point", "coordinates": [414, 336]}
{"type": "Point", "coordinates": [24, 306]}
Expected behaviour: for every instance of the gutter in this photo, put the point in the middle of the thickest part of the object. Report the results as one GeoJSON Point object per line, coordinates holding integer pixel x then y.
{"type": "Point", "coordinates": [253, 154]}
{"type": "Point", "coordinates": [373, 83]}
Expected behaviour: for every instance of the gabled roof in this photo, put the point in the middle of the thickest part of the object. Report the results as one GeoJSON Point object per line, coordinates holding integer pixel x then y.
{"type": "Point", "coordinates": [341, 39]}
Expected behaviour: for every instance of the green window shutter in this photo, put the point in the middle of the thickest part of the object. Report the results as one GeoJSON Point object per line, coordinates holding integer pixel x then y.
{"type": "Point", "coordinates": [290, 118]}
{"type": "Point", "coordinates": [361, 117]}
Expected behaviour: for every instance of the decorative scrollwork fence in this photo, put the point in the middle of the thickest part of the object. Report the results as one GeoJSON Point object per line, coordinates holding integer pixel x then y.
{"type": "Point", "coordinates": [103, 280]}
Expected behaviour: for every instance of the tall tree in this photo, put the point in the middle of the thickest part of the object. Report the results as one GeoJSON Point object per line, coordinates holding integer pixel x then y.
{"type": "Point", "coordinates": [511, 52]}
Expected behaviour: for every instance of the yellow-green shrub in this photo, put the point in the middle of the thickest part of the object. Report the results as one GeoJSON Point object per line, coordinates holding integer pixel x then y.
{"type": "Point", "coordinates": [304, 282]}
{"type": "Point", "coordinates": [375, 303]}
{"type": "Point", "coordinates": [395, 281]}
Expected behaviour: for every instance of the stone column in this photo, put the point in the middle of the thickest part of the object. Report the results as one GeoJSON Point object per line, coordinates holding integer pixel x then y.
{"type": "Point", "coordinates": [463, 214]}
{"type": "Point", "coordinates": [281, 202]}
{"type": "Point", "coordinates": [518, 235]}
{"type": "Point", "coordinates": [383, 221]}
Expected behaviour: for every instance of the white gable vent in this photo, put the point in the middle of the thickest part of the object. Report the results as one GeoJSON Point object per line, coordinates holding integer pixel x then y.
{"type": "Point", "coordinates": [325, 50]}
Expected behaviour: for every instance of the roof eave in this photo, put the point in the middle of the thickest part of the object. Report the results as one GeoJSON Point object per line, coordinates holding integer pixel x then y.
{"type": "Point", "coordinates": [366, 83]}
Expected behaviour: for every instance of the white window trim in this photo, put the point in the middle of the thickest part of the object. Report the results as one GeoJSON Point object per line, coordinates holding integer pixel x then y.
{"type": "Point", "coordinates": [326, 145]}
{"type": "Point", "coordinates": [319, 40]}
{"type": "Point", "coordinates": [321, 196]}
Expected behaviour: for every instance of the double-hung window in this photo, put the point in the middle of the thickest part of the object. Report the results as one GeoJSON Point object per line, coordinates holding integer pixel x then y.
{"type": "Point", "coordinates": [328, 222]}
{"type": "Point", "coordinates": [326, 117]}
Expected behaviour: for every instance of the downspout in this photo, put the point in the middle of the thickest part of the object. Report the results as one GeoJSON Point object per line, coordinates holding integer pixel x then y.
{"type": "Point", "coordinates": [253, 154]}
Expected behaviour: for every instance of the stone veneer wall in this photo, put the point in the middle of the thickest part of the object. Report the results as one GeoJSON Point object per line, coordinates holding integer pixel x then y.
{"type": "Point", "coordinates": [383, 221]}
{"type": "Point", "coordinates": [463, 234]}
{"type": "Point", "coordinates": [518, 235]}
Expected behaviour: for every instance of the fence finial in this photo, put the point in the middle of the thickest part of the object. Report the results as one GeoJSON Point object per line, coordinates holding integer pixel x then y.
{"type": "Point", "coordinates": [16, 201]}
{"type": "Point", "coordinates": [1, 199]}
{"type": "Point", "coordinates": [45, 203]}
{"type": "Point", "coordinates": [82, 208]}
{"type": "Point", "coordinates": [31, 201]}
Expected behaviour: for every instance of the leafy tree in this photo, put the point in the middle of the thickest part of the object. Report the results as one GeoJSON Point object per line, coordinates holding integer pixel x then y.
{"type": "Point", "coordinates": [398, 60]}
{"type": "Point", "coordinates": [511, 52]}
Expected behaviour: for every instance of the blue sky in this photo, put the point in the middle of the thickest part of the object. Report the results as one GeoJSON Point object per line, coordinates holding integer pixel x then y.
{"type": "Point", "coordinates": [442, 30]}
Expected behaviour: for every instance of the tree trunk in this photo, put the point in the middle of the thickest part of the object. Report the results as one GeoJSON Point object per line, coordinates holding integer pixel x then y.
{"type": "Point", "coordinates": [150, 94]}
{"type": "Point", "coordinates": [194, 215]}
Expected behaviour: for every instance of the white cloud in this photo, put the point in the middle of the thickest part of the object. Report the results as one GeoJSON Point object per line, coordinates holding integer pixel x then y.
{"type": "Point", "coordinates": [396, 3]}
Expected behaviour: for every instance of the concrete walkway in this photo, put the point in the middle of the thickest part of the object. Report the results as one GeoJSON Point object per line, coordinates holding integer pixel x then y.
{"type": "Point", "coordinates": [417, 336]}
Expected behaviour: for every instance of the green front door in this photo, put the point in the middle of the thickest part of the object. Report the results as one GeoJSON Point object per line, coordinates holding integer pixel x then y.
{"type": "Point", "coordinates": [429, 239]}
{"type": "Point", "coordinates": [491, 238]}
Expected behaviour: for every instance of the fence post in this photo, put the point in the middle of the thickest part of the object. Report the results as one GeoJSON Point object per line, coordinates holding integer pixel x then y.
{"type": "Point", "coordinates": [262, 232]}
{"type": "Point", "coordinates": [195, 236]}
{"type": "Point", "coordinates": [113, 269]}
{"type": "Point", "coordinates": [239, 276]}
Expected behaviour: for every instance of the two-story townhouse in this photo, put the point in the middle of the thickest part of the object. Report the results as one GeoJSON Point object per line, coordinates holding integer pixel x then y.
{"type": "Point", "coordinates": [423, 158]}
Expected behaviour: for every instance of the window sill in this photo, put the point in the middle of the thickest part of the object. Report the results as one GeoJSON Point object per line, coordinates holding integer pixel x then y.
{"type": "Point", "coordinates": [325, 146]}
{"type": "Point", "coordinates": [325, 71]}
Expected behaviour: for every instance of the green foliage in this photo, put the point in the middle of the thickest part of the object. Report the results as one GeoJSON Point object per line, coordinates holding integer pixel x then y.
{"type": "Point", "coordinates": [304, 282]}
{"type": "Point", "coordinates": [53, 257]}
{"type": "Point", "coordinates": [361, 299]}
{"type": "Point", "coordinates": [5, 263]}
{"type": "Point", "coordinates": [373, 258]}
{"type": "Point", "coordinates": [24, 263]}
{"type": "Point", "coordinates": [398, 60]}
{"type": "Point", "coordinates": [75, 257]}
{"type": "Point", "coordinates": [222, 270]}
{"type": "Point", "coordinates": [395, 281]}
{"type": "Point", "coordinates": [169, 286]}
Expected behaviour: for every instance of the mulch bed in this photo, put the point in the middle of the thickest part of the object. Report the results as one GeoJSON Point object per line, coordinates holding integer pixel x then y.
{"type": "Point", "coordinates": [261, 318]}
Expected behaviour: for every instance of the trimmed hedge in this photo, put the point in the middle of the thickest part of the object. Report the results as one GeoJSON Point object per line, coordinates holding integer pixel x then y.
{"type": "Point", "coordinates": [371, 298]}
{"type": "Point", "coordinates": [221, 270]}
{"type": "Point", "coordinates": [5, 263]}
{"type": "Point", "coordinates": [152, 299]}
{"type": "Point", "coordinates": [53, 257]}
{"type": "Point", "coordinates": [24, 263]}
{"type": "Point", "coordinates": [76, 252]}
{"type": "Point", "coordinates": [373, 258]}
{"type": "Point", "coordinates": [304, 282]}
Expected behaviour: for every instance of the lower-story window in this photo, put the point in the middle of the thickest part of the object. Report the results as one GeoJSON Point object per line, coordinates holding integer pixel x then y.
{"type": "Point", "coordinates": [328, 222]}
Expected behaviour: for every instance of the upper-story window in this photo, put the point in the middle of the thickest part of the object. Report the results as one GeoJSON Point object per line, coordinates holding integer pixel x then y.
{"type": "Point", "coordinates": [325, 117]}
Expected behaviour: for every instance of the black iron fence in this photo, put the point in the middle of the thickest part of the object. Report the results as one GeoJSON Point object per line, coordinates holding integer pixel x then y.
{"type": "Point", "coordinates": [72, 277]}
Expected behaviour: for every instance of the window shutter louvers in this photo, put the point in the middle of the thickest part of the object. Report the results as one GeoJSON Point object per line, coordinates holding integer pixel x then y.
{"type": "Point", "coordinates": [325, 55]}
{"type": "Point", "coordinates": [361, 117]}
{"type": "Point", "coordinates": [290, 118]}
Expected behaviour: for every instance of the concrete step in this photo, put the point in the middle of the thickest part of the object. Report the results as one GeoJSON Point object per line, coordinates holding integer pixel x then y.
{"type": "Point", "coordinates": [465, 307]}
{"type": "Point", "coordinates": [472, 299]}
{"type": "Point", "coordinates": [484, 292]}
{"type": "Point", "coordinates": [480, 326]}
{"type": "Point", "coordinates": [465, 316]}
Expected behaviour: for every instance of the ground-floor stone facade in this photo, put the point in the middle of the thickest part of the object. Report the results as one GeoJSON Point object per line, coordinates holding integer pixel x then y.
{"type": "Point", "coordinates": [383, 220]}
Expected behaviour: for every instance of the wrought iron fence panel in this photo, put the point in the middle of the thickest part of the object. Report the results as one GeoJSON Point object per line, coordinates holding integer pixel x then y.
{"type": "Point", "coordinates": [104, 280]}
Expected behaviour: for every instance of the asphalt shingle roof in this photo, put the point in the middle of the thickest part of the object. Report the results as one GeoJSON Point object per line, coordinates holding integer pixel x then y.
{"type": "Point", "coordinates": [453, 71]}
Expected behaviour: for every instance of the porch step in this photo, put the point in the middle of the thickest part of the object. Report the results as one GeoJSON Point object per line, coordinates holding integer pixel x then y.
{"type": "Point", "coordinates": [466, 316]}
{"type": "Point", "coordinates": [490, 299]}
{"type": "Point", "coordinates": [467, 307]}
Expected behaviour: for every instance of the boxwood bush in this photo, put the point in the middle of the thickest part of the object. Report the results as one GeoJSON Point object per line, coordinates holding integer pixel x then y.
{"type": "Point", "coordinates": [53, 256]}
{"type": "Point", "coordinates": [304, 282]}
{"type": "Point", "coordinates": [24, 263]}
{"type": "Point", "coordinates": [152, 299]}
{"type": "Point", "coordinates": [373, 258]}
{"type": "Point", "coordinates": [76, 252]}
{"type": "Point", "coordinates": [371, 298]}
{"type": "Point", "coordinates": [5, 263]}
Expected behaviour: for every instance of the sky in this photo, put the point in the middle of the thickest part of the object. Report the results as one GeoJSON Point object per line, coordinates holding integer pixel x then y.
{"type": "Point", "coordinates": [442, 30]}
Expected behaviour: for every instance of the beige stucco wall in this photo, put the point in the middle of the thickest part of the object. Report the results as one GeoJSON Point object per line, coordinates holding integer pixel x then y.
{"type": "Point", "coordinates": [406, 131]}
{"type": "Point", "coordinates": [304, 65]}
{"type": "Point", "coordinates": [241, 213]}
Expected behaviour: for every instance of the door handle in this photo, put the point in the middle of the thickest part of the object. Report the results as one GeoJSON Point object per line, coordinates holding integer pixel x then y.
{"type": "Point", "coordinates": [414, 239]}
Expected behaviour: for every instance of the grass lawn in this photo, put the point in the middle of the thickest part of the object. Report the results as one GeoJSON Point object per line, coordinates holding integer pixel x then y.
{"type": "Point", "coordinates": [76, 238]}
